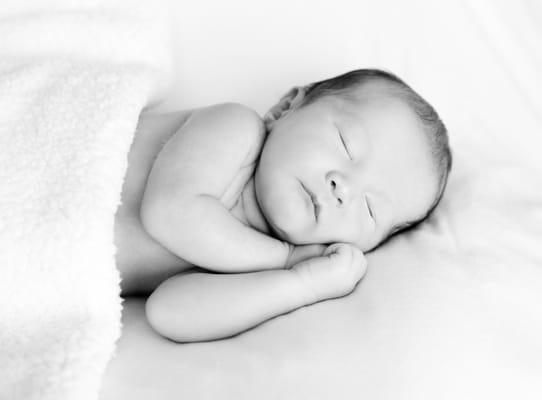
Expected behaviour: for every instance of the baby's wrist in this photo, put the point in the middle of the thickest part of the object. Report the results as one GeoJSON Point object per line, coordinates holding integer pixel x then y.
{"type": "Point", "coordinates": [306, 286]}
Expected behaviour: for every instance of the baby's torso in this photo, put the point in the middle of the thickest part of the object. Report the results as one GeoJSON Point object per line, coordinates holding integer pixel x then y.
{"type": "Point", "coordinates": [142, 262]}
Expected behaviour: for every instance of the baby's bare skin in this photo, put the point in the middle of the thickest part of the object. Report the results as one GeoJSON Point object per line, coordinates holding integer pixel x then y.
{"type": "Point", "coordinates": [144, 263]}
{"type": "Point", "coordinates": [213, 150]}
{"type": "Point", "coordinates": [281, 207]}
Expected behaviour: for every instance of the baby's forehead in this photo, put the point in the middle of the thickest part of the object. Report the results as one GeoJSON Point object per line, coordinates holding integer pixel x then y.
{"type": "Point", "coordinates": [388, 138]}
{"type": "Point", "coordinates": [378, 114]}
{"type": "Point", "coordinates": [375, 97]}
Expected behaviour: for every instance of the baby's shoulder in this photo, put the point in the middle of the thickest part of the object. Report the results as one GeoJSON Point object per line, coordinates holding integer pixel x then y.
{"type": "Point", "coordinates": [238, 111]}
{"type": "Point", "coordinates": [234, 115]}
{"type": "Point", "coordinates": [236, 122]}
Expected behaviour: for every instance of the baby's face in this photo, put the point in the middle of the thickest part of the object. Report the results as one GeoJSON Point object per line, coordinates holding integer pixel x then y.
{"type": "Point", "coordinates": [366, 164]}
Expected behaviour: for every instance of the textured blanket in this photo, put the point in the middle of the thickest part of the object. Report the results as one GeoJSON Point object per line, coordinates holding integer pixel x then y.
{"type": "Point", "coordinates": [74, 77]}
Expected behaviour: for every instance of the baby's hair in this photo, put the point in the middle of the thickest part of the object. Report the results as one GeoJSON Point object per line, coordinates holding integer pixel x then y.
{"type": "Point", "coordinates": [435, 130]}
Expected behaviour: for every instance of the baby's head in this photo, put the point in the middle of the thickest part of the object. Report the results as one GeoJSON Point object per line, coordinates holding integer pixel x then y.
{"type": "Point", "coordinates": [370, 152]}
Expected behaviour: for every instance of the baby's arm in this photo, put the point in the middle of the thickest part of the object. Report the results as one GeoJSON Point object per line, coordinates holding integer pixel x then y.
{"type": "Point", "coordinates": [202, 306]}
{"type": "Point", "coordinates": [181, 206]}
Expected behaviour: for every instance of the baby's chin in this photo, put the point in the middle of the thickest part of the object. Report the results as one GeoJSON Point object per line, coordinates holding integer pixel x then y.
{"type": "Point", "coordinates": [275, 230]}
{"type": "Point", "coordinates": [290, 233]}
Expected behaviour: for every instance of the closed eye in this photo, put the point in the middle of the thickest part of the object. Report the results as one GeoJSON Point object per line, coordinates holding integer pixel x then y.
{"type": "Point", "coordinates": [369, 208]}
{"type": "Point", "coordinates": [343, 143]}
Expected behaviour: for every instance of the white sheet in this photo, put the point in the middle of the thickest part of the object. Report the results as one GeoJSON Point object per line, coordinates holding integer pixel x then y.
{"type": "Point", "coordinates": [452, 310]}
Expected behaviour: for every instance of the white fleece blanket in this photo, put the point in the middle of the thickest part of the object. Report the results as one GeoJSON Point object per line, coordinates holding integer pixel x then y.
{"type": "Point", "coordinates": [74, 77]}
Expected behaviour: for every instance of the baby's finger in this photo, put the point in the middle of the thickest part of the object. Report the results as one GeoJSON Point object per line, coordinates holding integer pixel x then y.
{"type": "Point", "coordinates": [341, 254]}
{"type": "Point", "coordinates": [340, 250]}
{"type": "Point", "coordinates": [334, 248]}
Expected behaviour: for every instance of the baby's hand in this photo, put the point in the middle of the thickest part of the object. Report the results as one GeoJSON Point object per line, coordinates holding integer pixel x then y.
{"type": "Point", "coordinates": [335, 274]}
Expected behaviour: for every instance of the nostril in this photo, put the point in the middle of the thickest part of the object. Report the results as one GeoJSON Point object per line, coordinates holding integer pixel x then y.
{"type": "Point", "coordinates": [333, 188]}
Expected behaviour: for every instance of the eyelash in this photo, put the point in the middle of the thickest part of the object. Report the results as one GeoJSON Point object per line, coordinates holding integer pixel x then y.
{"type": "Point", "coordinates": [344, 144]}
{"type": "Point", "coordinates": [369, 208]}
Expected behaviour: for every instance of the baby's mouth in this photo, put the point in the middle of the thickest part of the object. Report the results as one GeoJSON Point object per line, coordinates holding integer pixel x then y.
{"type": "Point", "coordinates": [314, 200]}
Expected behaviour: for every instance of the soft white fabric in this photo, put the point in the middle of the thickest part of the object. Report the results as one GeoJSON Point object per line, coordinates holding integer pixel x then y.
{"type": "Point", "coordinates": [452, 310]}
{"type": "Point", "coordinates": [74, 77]}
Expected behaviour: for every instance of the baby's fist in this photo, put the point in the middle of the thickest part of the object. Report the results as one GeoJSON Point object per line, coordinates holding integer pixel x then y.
{"type": "Point", "coordinates": [335, 273]}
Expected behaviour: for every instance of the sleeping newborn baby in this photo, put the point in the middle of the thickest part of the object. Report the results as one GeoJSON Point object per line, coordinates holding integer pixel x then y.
{"type": "Point", "coordinates": [230, 219]}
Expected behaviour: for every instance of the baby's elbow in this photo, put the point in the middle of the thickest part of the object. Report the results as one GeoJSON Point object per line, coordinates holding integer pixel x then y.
{"type": "Point", "coordinates": [160, 319]}
{"type": "Point", "coordinates": [155, 216]}
{"type": "Point", "coordinates": [150, 212]}
{"type": "Point", "coordinates": [173, 317]}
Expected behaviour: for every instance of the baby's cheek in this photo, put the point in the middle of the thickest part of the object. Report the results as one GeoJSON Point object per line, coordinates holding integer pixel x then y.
{"type": "Point", "coordinates": [361, 236]}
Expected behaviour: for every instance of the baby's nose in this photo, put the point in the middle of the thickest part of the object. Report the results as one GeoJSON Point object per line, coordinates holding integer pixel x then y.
{"type": "Point", "coordinates": [340, 189]}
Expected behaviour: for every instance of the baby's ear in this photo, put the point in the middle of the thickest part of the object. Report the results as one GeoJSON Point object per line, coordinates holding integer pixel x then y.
{"type": "Point", "coordinates": [288, 102]}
